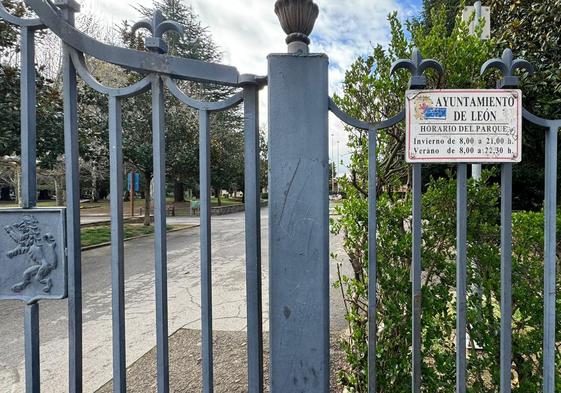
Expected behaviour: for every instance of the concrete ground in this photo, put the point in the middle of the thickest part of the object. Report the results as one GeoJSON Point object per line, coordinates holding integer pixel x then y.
{"type": "Point", "coordinates": [184, 304]}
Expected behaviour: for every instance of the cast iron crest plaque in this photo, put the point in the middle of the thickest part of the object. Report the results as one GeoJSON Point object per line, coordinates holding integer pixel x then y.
{"type": "Point", "coordinates": [33, 254]}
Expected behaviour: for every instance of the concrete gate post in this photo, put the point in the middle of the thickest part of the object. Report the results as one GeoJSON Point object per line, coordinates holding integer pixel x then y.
{"type": "Point", "coordinates": [299, 208]}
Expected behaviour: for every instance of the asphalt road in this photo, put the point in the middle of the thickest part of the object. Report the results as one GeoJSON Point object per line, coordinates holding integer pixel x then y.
{"type": "Point", "coordinates": [184, 304]}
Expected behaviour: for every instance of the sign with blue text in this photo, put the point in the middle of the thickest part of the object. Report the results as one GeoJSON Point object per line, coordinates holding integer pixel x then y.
{"type": "Point", "coordinates": [136, 181]}
{"type": "Point", "coordinates": [470, 126]}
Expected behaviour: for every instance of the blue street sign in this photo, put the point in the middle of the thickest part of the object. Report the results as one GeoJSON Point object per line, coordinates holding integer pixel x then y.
{"type": "Point", "coordinates": [136, 182]}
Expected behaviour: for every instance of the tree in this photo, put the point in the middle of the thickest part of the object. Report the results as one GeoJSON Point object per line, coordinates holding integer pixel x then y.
{"type": "Point", "coordinates": [49, 104]}
{"type": "Point", "coordinates": [182, 128]}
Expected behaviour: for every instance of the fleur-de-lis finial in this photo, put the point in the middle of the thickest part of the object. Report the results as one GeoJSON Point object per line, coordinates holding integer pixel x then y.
{"type": "Point", "coordinates": [157, 26]}
{"type": "Point", "coordinates": [507, 64]}
{"type": "Point", "coordinates": [417, 66]}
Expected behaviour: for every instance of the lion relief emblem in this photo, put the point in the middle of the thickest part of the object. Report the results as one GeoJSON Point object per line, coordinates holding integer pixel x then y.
{"type": "Point", "coordinates": [39, 249]}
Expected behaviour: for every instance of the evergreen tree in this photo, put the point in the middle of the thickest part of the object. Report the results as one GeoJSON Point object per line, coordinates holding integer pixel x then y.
{"type": "Point", "coordinates": [182, 129]}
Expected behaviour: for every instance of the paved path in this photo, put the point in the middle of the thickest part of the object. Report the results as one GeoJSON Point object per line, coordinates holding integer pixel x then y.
{"type": "Point", "coordinates": [184, 300]}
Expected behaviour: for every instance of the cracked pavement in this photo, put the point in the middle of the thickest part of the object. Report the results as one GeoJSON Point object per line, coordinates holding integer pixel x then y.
{"type": "Point", "coordinates": [229, 307]}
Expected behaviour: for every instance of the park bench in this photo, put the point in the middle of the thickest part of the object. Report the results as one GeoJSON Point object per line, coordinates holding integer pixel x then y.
{"type": "Point", "coordinates": [170, 210]}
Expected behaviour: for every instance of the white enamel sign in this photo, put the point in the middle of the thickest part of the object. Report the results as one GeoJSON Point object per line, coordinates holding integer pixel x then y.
{"type": "Point", "coordinates": [471, 126]}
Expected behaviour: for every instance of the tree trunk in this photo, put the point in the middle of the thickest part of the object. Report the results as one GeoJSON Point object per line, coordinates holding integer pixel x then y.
{"type": "Point", "coordinates": [178, 191]}
{"type": "Point", "coordinates": [218, 200]}
{"type": "Point", "coordinates": [18, 183]}
{"type": "Point", "coordinates": [94, 191]}
{"type": "Point", "coordinates": [59, 191]}
{"type": "Point", "coordinates": [147, 180]}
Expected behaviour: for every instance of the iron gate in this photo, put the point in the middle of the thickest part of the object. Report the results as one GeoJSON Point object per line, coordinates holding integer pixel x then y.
{"type": "Point", "coordinates": [299, 228]}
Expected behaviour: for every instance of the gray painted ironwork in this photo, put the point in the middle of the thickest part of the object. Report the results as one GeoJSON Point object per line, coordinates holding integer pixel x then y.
{"type": "Point", "coordinates": [506, 277]}
{"type": "Point", "coordinates": [28, 119]}
{"type": "Point", "coordinates": [206, 257]}
{"type": "Point", "coordinates": [25, 276]}
{"type": "Point", "coordinates": [372, 259]}
{"type": "Point", "coordinates": [550, 208]}
{"type": "Point", "coordinates": [32, 361]}
{"type": "Point", "coordinates": [416, 278]}
{"type": "Point", "coordinates": [28, 191]}
{"type": "Point", "coordinates": [461, 277]}
{"type": "Point", "coordinates": [160, 242]}
{"type": "Point", "coordinates": [116, 188]}
{"type": "Point", "coordinates": [117, 246]}
{"type": "Point", "coordinates": [252, 196]}
{"type": "Point", "coordinates": [72, 169]}
{"type": "Point", "coordinates": [372, 228]}
{"type": "Point", "coordinates": [176, 67]}
{"type": "Point", "coordinates": [299, 306]}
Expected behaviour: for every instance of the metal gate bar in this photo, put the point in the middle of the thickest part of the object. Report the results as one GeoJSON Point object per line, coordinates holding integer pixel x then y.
{"type": "Point", "coordinates": [160, 241]}
{"type": "Point", "coordinates": [506, 278]}
{"type": "Point", "coordinates": [206, 252]}
{"type": "Point", "coordinates": [550, 228]}
{"type": "Point", "coordinates": [416, 270]}
{"type": "Point", "coordinates": [252, 195]}
{"type": "Point", "coordinates": [72, 169]}
{"type": "Point", "coordinates": [28, 193]}
{"type": "Point", "coordinates": [117, 245]}
{"type": "Point", "coordinates": [372, 257]}
{"type": "Point", "coordinates": [461, 274]}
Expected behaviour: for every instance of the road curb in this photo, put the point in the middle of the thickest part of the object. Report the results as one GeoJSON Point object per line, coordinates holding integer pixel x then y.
{"type": "Point", "coordinates": [101, 245]}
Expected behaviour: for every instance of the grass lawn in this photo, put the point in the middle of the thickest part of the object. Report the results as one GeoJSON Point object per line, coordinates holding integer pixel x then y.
{"type": "Point", "coordinates": [4, 204]}
{"type": "Point", "coordinates": [102, 234]}
{"type": "Point", "coordinates": [102, 207]}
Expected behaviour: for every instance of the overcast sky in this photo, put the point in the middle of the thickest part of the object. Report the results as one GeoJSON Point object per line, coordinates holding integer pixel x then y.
{"type": "Point", "coordinates": [247, 30]}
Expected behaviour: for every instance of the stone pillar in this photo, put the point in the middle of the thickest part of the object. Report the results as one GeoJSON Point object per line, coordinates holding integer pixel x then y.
{"type": "Point", "coordinates": [298, 211]}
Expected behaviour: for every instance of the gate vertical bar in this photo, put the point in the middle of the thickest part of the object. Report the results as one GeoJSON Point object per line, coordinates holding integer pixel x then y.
{"type": "Point", "coordinates": [71, 156]}
{"type": "Point", "coordinates": [550, 259]}
{"type": "Point", "coordinates": [416, 278]}
{"type": "Point", "coordinates": [28, 119]}
{"type": "Point", "coordinates": [461, 273]}
{"type": "Point", "coordinates": [506, 277]}
{"type": "Point", "coordinates": [32, 361]}
{"type": "Point", "coordinates": [117, 247]}
{"type": "Point", "coordinates": [160, 244]}
{"type": "Point", "coordinates": [252, 196]}
{"type": "Point", "coordinates": [372, 259]}
{"type": "Point", "coordinates": [29, 195]}
{"type": "Point", "coordinates": [206, 250]}
{"type": "Point", "coordinates": [299, 219]}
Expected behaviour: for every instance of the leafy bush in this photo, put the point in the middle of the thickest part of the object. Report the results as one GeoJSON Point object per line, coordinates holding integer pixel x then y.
{"type": "Point", "coordinates": [438, 293]}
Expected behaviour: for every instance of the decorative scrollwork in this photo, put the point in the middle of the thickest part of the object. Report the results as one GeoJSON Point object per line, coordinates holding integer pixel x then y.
{"type": "Point", "coordinates": [507, 64]}
{"type": "Point", "coordinates": [122, 92]}
{"type": "Point", "coordinates": [202, 105]}
{"type": "Point", "coordinates": [39, 249]}
{"type": "Point", "coordinates": [157, 27]}
{"type": "Point", "coordinates": [417, 66]}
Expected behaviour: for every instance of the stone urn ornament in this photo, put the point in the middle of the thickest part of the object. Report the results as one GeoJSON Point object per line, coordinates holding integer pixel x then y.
{"type": "Point", "coordinates": [297, 18]}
